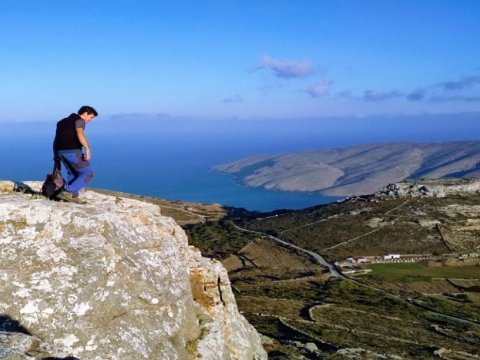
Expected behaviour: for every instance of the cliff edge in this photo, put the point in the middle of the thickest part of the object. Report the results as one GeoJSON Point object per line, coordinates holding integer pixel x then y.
{"type": "Point", "coordinates": [112, 279]}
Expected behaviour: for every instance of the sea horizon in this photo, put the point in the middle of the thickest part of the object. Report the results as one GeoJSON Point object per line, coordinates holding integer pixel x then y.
{"type": "Point", "coordinates": [173, 160]}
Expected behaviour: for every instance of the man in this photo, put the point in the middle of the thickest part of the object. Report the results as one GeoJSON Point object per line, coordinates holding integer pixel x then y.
{"type": "Point", "coordinates": [69, 141]}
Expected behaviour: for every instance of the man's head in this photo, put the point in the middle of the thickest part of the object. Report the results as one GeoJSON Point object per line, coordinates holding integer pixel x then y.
{"type": "Point", "coordinates": [87, 113]}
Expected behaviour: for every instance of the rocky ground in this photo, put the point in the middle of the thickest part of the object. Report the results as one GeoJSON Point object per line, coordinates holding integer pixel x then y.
{"type": "Point", "coordinates": [112, 279]}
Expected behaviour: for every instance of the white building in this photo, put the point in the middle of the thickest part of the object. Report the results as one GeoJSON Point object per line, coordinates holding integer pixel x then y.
{"type": "Point", "coordinates": [391, 256]}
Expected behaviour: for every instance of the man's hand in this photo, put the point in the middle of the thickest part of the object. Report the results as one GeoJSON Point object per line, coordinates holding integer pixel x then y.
{"type": "Point", "coordinates": [87, 155]}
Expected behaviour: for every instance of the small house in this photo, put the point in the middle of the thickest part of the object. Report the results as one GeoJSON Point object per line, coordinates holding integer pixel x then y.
{"type": "Point", "coordinates": [391, 256]}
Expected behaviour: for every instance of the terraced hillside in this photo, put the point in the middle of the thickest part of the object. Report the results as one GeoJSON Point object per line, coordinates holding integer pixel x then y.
{"type": "Point", "coordinates": [377, 225]}
{"type": "Point", "coordinates": [399, 310]}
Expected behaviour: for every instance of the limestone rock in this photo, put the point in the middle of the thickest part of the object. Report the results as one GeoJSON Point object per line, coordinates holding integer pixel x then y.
{"type": "Point", "coordinates": [112, 279]}
{"type": "Point", "coordinates": [214, 297]}
{"type": "Point", "coordinates": [431, 188]}
{"type": "Point", "coordinates": [428, 223]}
{"type": "Point", "coordinates": [311, 346]}
{"type": "Point", "coordinates": [375, 222]}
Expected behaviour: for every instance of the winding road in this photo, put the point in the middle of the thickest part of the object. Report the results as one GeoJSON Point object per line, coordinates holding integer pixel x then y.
{"type": "Point", "coordinates": [318, 258]}
{"type": "Point", "coordinates": [334, 272]}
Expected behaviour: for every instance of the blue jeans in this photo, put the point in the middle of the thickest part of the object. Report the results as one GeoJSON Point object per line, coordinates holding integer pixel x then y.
{"type": "Point", "coordinates": [79, 172]}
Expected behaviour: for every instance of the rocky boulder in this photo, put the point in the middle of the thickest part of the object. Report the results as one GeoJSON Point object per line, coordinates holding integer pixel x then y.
{"type": "Point", "coordinates": [112, 279]}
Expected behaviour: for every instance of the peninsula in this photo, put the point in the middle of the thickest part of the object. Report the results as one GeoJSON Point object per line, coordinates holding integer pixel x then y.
{"type": "Point", "coordinates": [359, 169]}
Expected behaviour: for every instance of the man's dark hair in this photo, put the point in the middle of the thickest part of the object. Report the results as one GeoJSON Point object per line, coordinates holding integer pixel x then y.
{"type": "Point", "coordinates": [87, 109]}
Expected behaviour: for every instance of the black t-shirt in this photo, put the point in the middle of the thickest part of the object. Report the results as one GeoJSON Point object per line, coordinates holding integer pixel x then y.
{"type": "Point", "coordinates": [66, 135]}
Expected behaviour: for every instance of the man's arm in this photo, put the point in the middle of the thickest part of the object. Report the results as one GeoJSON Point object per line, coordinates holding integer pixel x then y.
{"type": "Point", "coordinates": [83, 140]}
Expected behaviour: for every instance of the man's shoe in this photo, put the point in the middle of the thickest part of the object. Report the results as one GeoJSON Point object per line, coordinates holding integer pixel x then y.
{"type": "Point", "coordinates": [68, 196]}
{"type": "Point", "coordinates": [77, 199]}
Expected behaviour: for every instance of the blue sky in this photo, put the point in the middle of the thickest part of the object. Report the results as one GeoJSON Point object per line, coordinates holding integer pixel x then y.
{"type": "Point", "coordinates": [243, 59]}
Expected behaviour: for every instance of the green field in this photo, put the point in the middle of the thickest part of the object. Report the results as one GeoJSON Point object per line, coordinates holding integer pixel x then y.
{"type": "Point", "coordinates": [410, 272]}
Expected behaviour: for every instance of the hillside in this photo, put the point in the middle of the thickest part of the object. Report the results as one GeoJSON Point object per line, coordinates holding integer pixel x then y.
{"type": "Point", "coordinates": [359, 169]}
{"type": "Point", "coordinates": [420, 305]}
{"type": "Point", "coordinates": [434, 222]}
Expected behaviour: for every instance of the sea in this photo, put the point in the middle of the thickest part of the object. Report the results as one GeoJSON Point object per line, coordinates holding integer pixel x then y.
{"type": "Point", "coordinates": [158, 159]}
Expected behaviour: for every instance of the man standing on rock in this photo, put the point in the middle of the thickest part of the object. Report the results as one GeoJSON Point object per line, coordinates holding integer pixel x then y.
{"type": "Point", "coordinates": [69, 141]}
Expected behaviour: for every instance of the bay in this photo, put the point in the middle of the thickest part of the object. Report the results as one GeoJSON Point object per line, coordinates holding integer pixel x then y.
{"type": "Point", "coordinates": [168, 167]}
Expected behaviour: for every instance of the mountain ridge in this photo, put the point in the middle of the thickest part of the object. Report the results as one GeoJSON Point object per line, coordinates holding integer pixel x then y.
{"type": "Point", "coordinates": [356, 170]}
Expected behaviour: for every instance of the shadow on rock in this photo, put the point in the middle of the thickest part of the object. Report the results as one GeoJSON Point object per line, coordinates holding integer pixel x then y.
{"type": "Point", "coordinates": [8, 324]}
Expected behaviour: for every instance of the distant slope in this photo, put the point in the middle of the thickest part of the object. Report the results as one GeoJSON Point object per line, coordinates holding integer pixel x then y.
{"type": "Point", "coordinates": [403, 218]}
{"type": "Point", "coordinates": [359, 169]}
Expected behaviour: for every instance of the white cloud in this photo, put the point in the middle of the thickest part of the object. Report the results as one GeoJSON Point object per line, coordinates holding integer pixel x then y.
{"type": "Point", "coordinates": [320, 88]}
{"type": "Point", "coordinates": [287, 68]}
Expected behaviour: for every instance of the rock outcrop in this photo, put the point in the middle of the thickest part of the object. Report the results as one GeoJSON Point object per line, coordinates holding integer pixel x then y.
{"type": "Point", "coordinates": [431, 188]}
{"type": "Point", "coordinates": [112, 279]}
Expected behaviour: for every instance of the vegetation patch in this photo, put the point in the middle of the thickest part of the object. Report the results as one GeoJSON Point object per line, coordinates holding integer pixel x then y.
{"type": "Point", "coordinates": [218, 239]}
{"type": "Point", "coordinates": [413, 272]}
